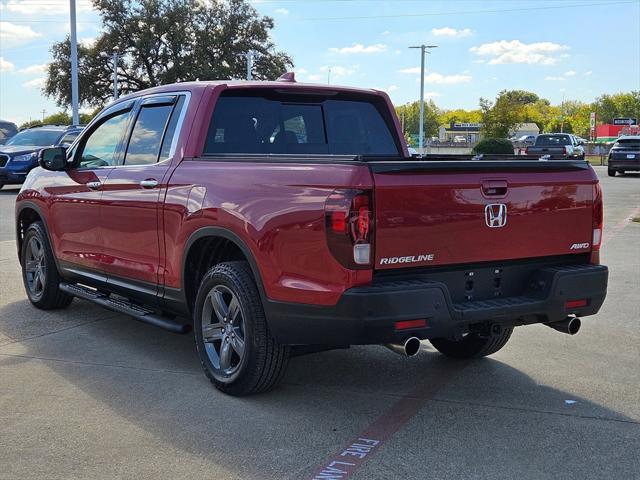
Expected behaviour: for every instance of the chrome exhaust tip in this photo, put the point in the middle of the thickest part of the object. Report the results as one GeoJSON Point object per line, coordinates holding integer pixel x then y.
{"type": "Point", "coordinates": [409, 348]}
{"type": "Point", "coordinates": [570, 325]}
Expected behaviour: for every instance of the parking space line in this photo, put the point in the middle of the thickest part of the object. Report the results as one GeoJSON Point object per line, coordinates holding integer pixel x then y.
{"type": "Point", "coordinates": [347, 460]}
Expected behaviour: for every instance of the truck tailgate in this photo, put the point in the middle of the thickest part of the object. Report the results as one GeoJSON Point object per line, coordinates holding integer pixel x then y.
{"type": "Point", "coordinates": [435, 215]}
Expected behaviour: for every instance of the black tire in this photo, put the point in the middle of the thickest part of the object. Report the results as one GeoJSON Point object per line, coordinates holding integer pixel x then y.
{"type": "Point", "coordinates": [1, 185]}
{"type": "Point", "coordinates": [472, 345]}
{"type": "Point", "coordinates": [42, 281]}
{"type": "Point", "coordinates": [262, 362]}
{"type": "Point", "coordinates": [611, 172]}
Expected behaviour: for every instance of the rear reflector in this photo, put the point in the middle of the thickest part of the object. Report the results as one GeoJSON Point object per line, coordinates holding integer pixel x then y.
{"type": "Point", "coordinates": [575, 304]}
{"type": "Point", "coordinates": [408, 324]}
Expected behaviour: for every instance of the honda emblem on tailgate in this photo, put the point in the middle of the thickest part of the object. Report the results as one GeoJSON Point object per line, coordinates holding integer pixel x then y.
{"type": "Point", "coordinates": [495, 215]}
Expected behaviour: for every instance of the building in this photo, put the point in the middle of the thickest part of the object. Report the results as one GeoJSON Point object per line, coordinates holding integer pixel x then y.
{"type": "Point", "coordinates": [609, 132]}
{"type": "Point", "coordinates": [528, 128]}
{"type": "Point", "coordinates": [470, 132]}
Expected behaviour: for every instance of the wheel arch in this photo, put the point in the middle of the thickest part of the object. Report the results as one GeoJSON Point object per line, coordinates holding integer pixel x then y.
{"type": "Point", "coordinates": [209, 246]}
{"type": "Point", "coordinates": [26, 214]}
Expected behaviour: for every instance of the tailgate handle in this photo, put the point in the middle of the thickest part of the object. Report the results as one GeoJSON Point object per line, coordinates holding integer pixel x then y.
{"type": "Point", "coordinates": [494, 188]}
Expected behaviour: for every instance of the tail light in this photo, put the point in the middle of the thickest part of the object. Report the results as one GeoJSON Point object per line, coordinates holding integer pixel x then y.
{"type": "Point", "coordinates": [564, 150]}
{"type": "Point", "coordinates": [598, 215]}
{"type": "Point", "coordinates": [349, 227]}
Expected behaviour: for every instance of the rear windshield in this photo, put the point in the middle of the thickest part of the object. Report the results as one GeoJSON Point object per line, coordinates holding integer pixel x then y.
{"type": "Point", "coordinates": [35, 137]}
{"type": "Point", "coordinates": [627, 144]}
{"type": "Point", "coordinates": [551, 140]}
{"type": "Point", "coordinates": [299, 124]}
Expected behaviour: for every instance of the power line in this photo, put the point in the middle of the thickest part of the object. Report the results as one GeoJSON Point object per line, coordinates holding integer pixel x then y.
{"type": "Point", "coordinates": [469, 12]}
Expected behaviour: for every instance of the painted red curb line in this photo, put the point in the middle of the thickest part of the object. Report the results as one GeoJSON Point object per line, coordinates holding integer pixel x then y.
{"type": "Point", "coordinates": [346, 461]}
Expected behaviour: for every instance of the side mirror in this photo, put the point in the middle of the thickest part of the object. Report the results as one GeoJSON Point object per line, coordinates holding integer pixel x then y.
{"type": "Point", "coordinates": [54, 158]}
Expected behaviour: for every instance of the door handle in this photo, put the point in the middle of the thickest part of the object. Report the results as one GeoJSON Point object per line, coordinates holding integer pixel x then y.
{"type": "Point", "coordinates": [494, 188]}
{"type": "Point", "coordinates": [149, 183]}
{"type": "Point", "coordinates": [94, 185]}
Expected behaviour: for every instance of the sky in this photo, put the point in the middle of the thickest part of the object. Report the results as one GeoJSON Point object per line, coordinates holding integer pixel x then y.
{"type": "Point", "coordinates": [558, 49]}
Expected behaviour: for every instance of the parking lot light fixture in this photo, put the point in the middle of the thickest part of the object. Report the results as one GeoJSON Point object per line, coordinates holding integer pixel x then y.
{"type": "Point", "coordinates": [423, 50]}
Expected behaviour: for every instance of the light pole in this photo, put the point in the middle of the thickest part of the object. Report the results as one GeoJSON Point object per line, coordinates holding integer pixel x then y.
{"type": "Point", "coordinates": [250, 56]}
{"type": "Point", "coordinates": [423, 49]}
{"type": "Point", "coordinates": [114, 60]}
{"type": "Point", "coordinates": [75, 119]}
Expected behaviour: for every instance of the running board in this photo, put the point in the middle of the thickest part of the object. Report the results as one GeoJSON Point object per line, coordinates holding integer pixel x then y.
{"type": "Point", "coordinates": [127, 308]}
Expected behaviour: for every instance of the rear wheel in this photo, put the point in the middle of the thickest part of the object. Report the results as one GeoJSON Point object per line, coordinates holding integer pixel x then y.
{"type": "Point", "coordinates": [236, 350]}
{"type": "Point", "coordinates": [39, 271]}
{"type": "Point", "coordinates": [1, 185]}
{"type": "Point", "coordinates": [472, 345]}
{"type": "Point", "coordinates": [611, 172]}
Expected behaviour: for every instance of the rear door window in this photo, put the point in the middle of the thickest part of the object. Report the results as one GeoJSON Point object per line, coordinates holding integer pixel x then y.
{"type": "Point", "coordinates": [284, 124]}
{"type": "Point", "coordinates": [147, 134]}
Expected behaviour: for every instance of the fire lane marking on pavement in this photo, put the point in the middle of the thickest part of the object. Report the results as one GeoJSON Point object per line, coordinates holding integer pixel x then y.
{"type": "Point", "coordinates": [617, 228]}
{"type": "Point", "coordinates": [347, 460]}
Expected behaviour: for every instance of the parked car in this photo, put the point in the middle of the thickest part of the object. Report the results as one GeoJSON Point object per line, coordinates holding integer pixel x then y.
{"type": "Point", "coordinates": [459, 139]}
{"type": "Point", "coordinates": [7, 130]}
{"type": "Point", "coordinates": [20, 154]}
{"type": "Point", "coordinates": [527, 140]}
{"type": "Point", "coordinates": [562, 145]}
{"type": "Point", "coordinates": [175, 207]}
{"type": "Point", "coordinates": [624, 155]}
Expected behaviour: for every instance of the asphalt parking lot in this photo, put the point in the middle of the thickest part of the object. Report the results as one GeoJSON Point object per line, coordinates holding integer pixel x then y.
{"type": "Point", "coordinates": [86, 393]}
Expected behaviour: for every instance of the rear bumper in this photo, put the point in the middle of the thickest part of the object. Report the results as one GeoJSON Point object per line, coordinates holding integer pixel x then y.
{"type": "Point", "coordinates": [624, 164]}
{"type": "Point", "coordinates": [8, 176]}
{"type": "Point", "coordinates": [367, 315]}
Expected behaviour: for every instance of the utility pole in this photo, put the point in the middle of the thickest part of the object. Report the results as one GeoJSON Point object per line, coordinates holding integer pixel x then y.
{"type": "Point", "coordinates": [114, 60]}
{"type": "Point", "coordinates": [250, 56]}
{"type": "Point", "coordinates": [75, 119]}
{"type": "Point", "coordinates": [329, 76]}
{"type": "Point", "coordinates": [43, 112]}
{"type": "Point", "coordinates": [423, 50]}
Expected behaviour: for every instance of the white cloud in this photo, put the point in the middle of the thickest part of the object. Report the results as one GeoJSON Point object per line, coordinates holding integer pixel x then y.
{"type": "Point", "coordinates": [480, 60]}
{"type": "Point", "coordinates": [45, 8]}
{"type": "Point", "coordinates": [339, 71]}
{"type": "Point", "coordinates": [314, 77]}
{"type": "Point", "coordinates": [386, 32]}
{"type": "Point", "coordinates": [569, 73]}
{"type": "Point", "coordinates": [434, 77]}
{"type": "Point", "coordinates": [588, 72]}
{"type": "Point", "coordinates": [451, 32]}
{"type": "Point", "coordinates": [431, 94]}
{"type": "Point", "coordinates": [6, 65]}
{"type": "Point", "coordinates": [88, 41]}
{"type": "Point", "coordinates": [35, 83]}
{"type": "Point", "coordinates": [35, 69]}
{"type": "Point", "coordinates": [554, 79]}
{"type": "Point", "coordinates": [410, 70]}
{"type": "Point", "coordinates": [301, 71]}
{"type": "Point", "coordinates": [514, 51]}
{"type": "Point", "coordinates": [281, 11]}
{"type": "Point", "coordinates": [438, 78]}
{"type": "Point", "coordinates": [392, 88]}
{"type": "Point", "coordinates": [360, 48]}
{"type": "Point", "coordinates": [12, 34]}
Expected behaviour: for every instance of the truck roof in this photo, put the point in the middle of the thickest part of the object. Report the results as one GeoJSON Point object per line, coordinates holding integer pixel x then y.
{"type": "Point", "coordinates": [279, 84]}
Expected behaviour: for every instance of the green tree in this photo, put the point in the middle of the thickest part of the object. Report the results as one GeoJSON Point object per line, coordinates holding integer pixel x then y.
{"type": "Point", "coordinates": [508, 111]}
{"type": "Point", "coordinates": [166, 41]}
{"type": "Point", "coordinates": [411, 115]}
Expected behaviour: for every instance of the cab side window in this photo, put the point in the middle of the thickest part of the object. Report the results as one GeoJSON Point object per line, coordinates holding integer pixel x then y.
{"type": "Point", "coordinates": [100, 148]}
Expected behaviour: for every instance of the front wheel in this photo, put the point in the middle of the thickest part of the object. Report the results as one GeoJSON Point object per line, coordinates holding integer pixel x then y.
{"type": "Point", "coordinates": [472, 345]}
{"type": "Point", "coordinates": [39, 271]}
{"type": "Point", "coordinates": [236, 350]}
{"type": "Point", "coordinates": [611, 172]}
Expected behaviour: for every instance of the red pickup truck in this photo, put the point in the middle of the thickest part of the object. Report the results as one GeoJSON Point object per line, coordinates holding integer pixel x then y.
{"type": "Point", "coordinates": [278, 218]}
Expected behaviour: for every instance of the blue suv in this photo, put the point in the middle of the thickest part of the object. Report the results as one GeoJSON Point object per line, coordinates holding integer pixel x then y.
{"type": "Point", "coordinates": [20, 154]}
